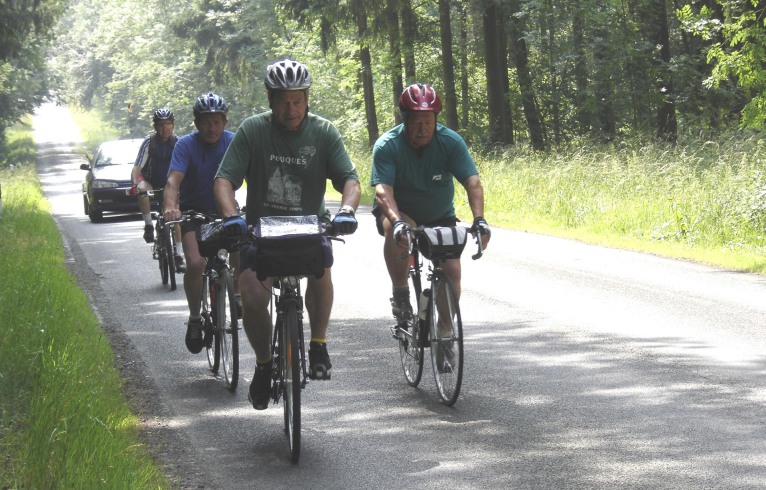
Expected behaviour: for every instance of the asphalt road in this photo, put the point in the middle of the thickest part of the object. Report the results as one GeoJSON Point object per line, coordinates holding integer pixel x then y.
{"type": "Point", "coordinates": [585, 367]}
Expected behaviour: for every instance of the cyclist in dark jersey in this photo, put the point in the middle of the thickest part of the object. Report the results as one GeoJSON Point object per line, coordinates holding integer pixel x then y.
{"type": "Point", "coordinates": [413, 170]}
{"type": "Point", "coordinates": [152, 163]}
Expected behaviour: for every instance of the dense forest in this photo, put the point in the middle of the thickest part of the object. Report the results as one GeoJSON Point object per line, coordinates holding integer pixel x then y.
{"type": "Point", "coordinates": [539, 73]}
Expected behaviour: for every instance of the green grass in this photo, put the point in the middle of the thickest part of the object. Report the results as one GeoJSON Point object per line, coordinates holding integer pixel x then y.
{"type": "Point", "coordinates": [702, 201]}
{"type": "Point", "coordinates": [64, 420]}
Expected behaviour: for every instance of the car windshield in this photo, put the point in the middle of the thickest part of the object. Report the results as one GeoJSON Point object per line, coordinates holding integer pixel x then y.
{"type": "Point", "coordinates": [122, 152]}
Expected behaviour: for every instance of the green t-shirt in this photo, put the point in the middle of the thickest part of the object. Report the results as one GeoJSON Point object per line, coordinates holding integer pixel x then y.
{"type": "Point", "coordinates": [286, 171]}
{"type": "Point", "coordinates": [423, 183]}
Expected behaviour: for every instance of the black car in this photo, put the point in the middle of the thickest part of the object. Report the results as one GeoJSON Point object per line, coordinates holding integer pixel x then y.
{"type": "Point", "coordinates": [107, 184]}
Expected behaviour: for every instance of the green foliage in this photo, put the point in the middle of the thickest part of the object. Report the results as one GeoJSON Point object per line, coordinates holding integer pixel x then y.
{"type": "Point", "coordinates": [736, 51]}
{"type": "Point", "coordinates": [64, 422]}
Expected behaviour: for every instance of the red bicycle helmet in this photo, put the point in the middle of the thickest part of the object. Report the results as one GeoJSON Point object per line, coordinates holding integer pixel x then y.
{"type": "Point", "coordinates": [420, 97]}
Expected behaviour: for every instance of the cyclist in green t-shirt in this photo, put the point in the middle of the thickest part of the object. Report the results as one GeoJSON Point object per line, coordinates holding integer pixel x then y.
{"type": "Point", "coordinates": [286, 155]}
{"type": "Point", "coordinates": [413, 166]}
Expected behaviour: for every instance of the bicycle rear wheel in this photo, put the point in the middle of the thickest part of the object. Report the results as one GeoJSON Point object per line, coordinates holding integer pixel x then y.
{"type": "Point", "coordinates": [446, 338]}
{"type": "Point", "coordinates": [212, 338]}
{"type": "Point", "coordinates": [168, 239]}
{"type": "Point", "coordinates": [227, 329]}
{"type": "Point", "coordinates": [412, 341]}
{"type": "Point", "coordinates": [291, 375]}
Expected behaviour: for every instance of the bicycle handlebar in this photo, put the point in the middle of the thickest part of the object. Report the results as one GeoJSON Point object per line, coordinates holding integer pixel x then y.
{"type": "Point", "coordinates": [413, 232]}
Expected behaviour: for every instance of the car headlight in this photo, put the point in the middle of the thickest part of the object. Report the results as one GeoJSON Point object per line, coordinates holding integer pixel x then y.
{"type": "Point", "coordinates": [105, 184]}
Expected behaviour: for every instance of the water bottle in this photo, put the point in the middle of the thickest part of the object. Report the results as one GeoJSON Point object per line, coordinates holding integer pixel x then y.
{"type": "Point", "coordinates": [423, 304]}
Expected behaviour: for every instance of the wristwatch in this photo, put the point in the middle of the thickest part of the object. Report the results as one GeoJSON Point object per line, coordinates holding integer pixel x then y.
{"type": "Point", "coordinates": [346, 209]}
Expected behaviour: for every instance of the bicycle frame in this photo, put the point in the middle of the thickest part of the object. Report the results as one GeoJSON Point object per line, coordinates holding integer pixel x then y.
{"type": "Point", "coordinates": [437, 324]}
{"type": "Point", "coordinates": [290, 374]}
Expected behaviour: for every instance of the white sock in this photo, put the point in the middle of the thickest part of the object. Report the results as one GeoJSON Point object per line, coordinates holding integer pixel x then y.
{"type": "Point", "coordinates": [148, 218]}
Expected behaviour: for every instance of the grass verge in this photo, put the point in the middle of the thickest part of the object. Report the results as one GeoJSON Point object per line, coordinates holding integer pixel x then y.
{"type": "Point", "coordinates": [64, 420]}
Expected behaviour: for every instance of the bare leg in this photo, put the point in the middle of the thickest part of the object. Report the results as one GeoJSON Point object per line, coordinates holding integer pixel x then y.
{"type": "Point", "coordinates": [195, 265]}
{"type": "Point", "coordinates": [319, 298]}
{"type": "Point", "coordinates": [256, 318]}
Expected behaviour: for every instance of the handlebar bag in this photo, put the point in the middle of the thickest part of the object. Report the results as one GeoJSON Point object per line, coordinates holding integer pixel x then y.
{"type": "Point", "coordinates": [291, 246]}
{"type": "Point", "coordinates": [442, 242]}
{"type": "Point", "coordinates": [211, 239]}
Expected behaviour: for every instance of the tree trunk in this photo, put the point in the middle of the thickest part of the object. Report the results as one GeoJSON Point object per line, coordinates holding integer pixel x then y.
{"type": "Point", "coordinates": [464, 67]}
{"type": "Point", "coordinates": [667, 127]}
{"type": "Point", "coordinates": [583, 115]}
{"type": "Point", "coordinates": [505, 78]}
{"type": "Point", "coordinates": [448, 65]}
{"type": "Point", "coordinates": [409, 35]}
{"type": "Point", "coordinates": [495, 98]}
{"type": "Point", "coordinates": [366, 75]}
{"type": "Point", "coordinates": [521, 60]}
{"type": "Point", "coordinates": [397, 87]}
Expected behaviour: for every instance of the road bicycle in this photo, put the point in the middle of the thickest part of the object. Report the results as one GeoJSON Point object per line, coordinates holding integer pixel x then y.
{"type": "Point", "coordinates": [164, 247]}
{"type": "Point", "coordinates": [289, 248]}
{"type": "Point", "coordinates": [437, 323]}
{"type": "Point", "coordinates": [219, 307]}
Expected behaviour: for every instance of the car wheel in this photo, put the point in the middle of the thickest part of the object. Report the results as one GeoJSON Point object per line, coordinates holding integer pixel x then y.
{"type": "Point", "coordinates": [85, 205]}
{"type": "Point", "coordinates": [96, 215]}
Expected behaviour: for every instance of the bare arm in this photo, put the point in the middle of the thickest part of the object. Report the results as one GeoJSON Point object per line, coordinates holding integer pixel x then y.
{"type": "Point", "coordinates": [170, 202]}
{"type": "Point", "coordinates": [224, 197]}
{"type": "Point", "coordinates": [384, 196]}
{"type": "Point", "coordinates": [134, 174]}
{"type": "Point", "coordinates": [352, 192]}
{"type": "Point", "coordinates": [475, 192]}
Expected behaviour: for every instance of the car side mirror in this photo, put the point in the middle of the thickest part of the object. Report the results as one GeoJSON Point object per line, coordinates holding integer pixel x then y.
{"type": "Point", "coordinates": [85, 166]}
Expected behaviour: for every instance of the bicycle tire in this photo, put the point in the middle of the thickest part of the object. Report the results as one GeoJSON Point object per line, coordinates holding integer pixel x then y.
{"type": "Point", "coordinates": [212, 340]}
{"type": "Point", "coordinates": [227, 328]}
{"type": "Point", "coordinates": [168, 239]}
{"type": "Point", "coordinates": [446, 337]}
{"type": "Point", "coordinates": [291, 376]}
{"type": "Point", "coordinates": [412, 342]}
{"type": "Point", "coordinates": [159, 253]}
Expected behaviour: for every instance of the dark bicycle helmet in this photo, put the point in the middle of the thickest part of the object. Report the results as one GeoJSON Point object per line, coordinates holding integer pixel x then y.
{"type": "Point", "coordinates": [163, 114]}
{"type": "Point", "coordinates": [420, 97]}
{"type": "Point", "coordinates": [287, 75]}
{"type": "Point", "coordinates": [210, 103]}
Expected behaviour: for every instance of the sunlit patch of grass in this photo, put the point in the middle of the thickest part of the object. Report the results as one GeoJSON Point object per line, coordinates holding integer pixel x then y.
{"type": "Point", "coordinates": [701, 200]}
{"type": "Point", "coordinates": [64, 421]}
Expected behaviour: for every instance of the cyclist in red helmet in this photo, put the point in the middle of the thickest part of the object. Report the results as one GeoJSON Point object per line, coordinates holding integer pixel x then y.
{"type": "Point", "coordinates": [413, 170]}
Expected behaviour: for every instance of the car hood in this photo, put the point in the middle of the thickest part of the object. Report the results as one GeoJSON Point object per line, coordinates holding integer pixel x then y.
{"type": "Point", "coordinates": [113, 172]}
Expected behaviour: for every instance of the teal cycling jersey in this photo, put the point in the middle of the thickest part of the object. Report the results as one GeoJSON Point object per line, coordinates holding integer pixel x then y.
{"type": "Point", "coordinates": [422, 180]}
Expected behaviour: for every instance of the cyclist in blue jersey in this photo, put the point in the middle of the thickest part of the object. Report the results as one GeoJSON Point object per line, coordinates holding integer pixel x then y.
{"type": "Point", "coordinates": [287, 155]}
{"type": "Point", "coordinates": [414, 166]}
{"type": "Point", "coordinates": [189, 187]}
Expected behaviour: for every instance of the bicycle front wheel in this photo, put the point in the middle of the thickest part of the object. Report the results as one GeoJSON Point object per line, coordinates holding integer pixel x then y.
{"type": "Point", "coordinates": [446, 338]}
{"type": "Point", "coordinates": [159, 253]}
{"type": "Point", "coordinates": [227, 328]}
{"type": "Point", "coordinates": [291, 374]}
{"type": "Point", "coordinates": [212, 338]}
{"type": "Point", "coordinates": [168, 239]}
{"type": "Point", "coordinates": [412, 340]}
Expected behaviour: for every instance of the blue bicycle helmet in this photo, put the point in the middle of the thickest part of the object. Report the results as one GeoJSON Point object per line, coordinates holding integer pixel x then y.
{"type": "Point", "coordinates": [163, 114]}
{"type": "Point", "coordinates": [210, 103]}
